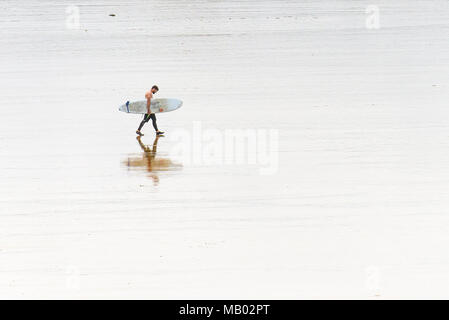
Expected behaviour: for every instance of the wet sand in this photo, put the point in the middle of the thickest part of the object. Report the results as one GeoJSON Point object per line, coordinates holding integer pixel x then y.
{"type": "Point", "coordinates": [358, 207]}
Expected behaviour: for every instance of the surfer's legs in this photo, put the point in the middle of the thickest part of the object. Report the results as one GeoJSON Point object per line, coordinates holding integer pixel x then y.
{"type": "Point", "coordinates": [147, 118]}
{"type": "Point", "coordinates": [153, 118]}
{"type": "Point", "coordinates": [141, 125]}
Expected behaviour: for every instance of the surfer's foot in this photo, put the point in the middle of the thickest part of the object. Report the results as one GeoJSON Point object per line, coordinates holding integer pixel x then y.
{"type": "Point", "coordinates": [159, 133]}
{"type": "Point", "coordinates": [139, 133]}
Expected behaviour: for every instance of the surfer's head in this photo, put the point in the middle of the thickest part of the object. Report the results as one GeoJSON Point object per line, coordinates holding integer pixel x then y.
{"type": "Point", "coordinates": [154, 89]}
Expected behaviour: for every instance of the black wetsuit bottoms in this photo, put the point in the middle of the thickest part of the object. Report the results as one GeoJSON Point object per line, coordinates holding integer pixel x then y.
{"type": "Point", "coordinates": [146, 118]}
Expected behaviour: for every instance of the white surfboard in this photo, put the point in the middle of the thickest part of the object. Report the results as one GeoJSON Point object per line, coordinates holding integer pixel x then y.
{"type": "Point", "coordinates": [157, 106]}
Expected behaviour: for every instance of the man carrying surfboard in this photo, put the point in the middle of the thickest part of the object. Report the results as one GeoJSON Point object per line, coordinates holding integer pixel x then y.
{"type": "Point", "coordinates": [149, 115]}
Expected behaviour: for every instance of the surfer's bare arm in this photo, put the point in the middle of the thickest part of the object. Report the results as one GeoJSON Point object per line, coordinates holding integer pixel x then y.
{"type": "Point", "coordinates": [148, 105]}
{"type": "Point", "coordinates": [148, 95]}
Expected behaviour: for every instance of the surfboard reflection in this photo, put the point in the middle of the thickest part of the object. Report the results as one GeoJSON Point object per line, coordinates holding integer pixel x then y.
{"type": "Point", "coordinates": [149, 162]}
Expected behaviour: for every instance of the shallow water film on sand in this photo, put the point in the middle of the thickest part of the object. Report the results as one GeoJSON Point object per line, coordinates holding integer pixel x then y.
{"type": "Point", "coordinates": [310, 158]}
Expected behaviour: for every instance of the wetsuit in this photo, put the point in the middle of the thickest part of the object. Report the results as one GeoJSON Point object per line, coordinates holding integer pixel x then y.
{"type": "Point", "coordinates": [146, 118]}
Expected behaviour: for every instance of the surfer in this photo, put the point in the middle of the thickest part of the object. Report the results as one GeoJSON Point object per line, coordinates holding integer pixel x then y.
{"type": "Point", "coordinates": [149, 115]}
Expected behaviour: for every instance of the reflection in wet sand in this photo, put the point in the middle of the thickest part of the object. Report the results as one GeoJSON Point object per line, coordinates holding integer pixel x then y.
{"type": "Point", "coordinates": [149, 162]}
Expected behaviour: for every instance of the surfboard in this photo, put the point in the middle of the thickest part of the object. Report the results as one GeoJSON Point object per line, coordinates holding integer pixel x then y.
{"type": "Point", "coordinates": [157, 106]}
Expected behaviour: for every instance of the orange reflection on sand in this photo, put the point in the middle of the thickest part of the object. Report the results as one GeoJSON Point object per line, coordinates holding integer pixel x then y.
{"type": "Point", "coordinates": [149, 162]}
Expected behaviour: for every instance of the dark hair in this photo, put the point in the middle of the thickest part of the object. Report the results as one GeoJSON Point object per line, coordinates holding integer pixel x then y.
{"type": "Point", "coordinates": [155, 87]}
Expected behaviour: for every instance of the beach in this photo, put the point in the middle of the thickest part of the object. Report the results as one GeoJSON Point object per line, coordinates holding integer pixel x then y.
{"type": "Point", "coordinates": [345, 198]}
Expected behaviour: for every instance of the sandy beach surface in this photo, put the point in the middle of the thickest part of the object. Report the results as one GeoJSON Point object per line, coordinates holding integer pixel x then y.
{"type": "Point", "coordinates": [357, 203]}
